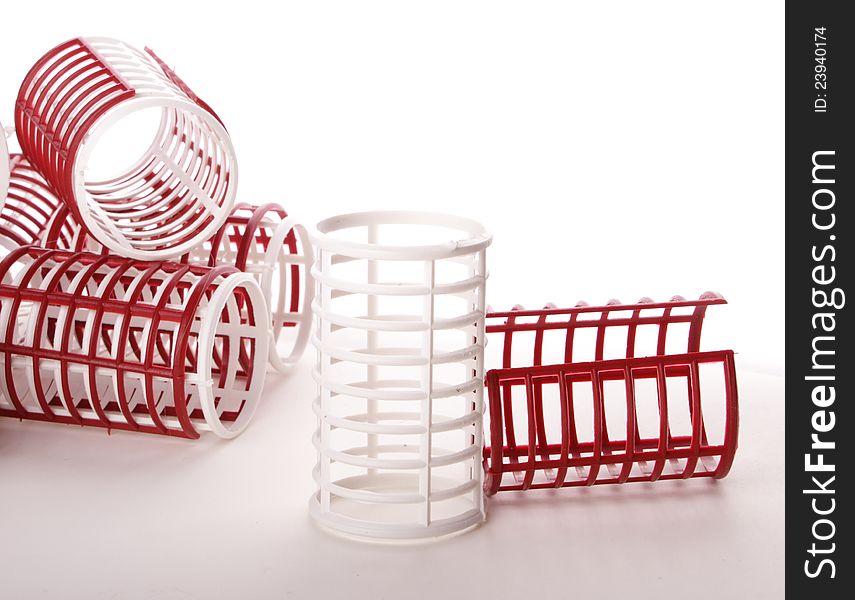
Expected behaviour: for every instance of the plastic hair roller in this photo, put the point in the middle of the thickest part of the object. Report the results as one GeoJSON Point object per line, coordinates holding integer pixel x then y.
{"type": "Point", "coordinates": [30, 203]}
{"type": "Point", "coordinates": [400, 340]}
{"type": "Point", "coordinates": [265, 242]}
{"type": "Point", "coordinates": [103, 341]}
{"type": "Point", "coordinates": [261, 240]}
{"type": "Point", "coordinates": [593, 395]}
{"type": "Point", "coordinates": [5, 166]}
{"type": "Point", "coordinates": [176, 196]}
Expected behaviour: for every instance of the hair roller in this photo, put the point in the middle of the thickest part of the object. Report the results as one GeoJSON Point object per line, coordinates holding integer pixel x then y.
{"type": "Point", "coordinates": [180, 190]}
{"type": "Point", "coordinates": [104, 341]}
{"type": "Point", "coordinates": [262, 240]}
{"type": "Point", "coordinates": [594, 366]}
{"type": "Point", "coordinates": [400, 341]}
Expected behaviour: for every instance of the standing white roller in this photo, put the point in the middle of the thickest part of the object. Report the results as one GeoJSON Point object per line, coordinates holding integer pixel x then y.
{"type": "Point", "coordinates": [400, 343]}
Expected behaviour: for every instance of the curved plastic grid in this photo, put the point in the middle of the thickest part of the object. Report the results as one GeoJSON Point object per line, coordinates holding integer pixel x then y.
{"type": "Point", "coordinates": [261, 240]}
{"type": "Point", "coordinates": [160, 348]}
{"type": "Point", "coordinates": [275, 248]}
{"type": "Point", "coordinates": [598, 400]}
{"type": "Point", "coordinates": [30, 203]}
{"type": "Point", "coordinates": [175, 196]}
{"type": "Point", "coordinates": [400, 345]}
{"type": "Point", "coordinates": [5, 166]}
{"type": "Point", "coordinates": [616, 330]}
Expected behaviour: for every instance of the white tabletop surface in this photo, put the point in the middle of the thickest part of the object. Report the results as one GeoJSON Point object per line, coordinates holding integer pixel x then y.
{"type": "Point", "coordinates": [84, 514]}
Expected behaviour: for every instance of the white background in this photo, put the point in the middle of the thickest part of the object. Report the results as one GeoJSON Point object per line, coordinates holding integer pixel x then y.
{"type": "Point", "coordinates": [615, 150]}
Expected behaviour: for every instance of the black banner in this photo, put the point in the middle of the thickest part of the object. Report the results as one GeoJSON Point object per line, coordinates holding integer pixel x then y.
{"type": "Point", "coordinates": [820, 226]}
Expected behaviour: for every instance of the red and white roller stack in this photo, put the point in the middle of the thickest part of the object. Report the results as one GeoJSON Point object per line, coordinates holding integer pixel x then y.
{"type": "Point", "coordinates": [582, 396]}
{"type": "Point", "coordinates": [145, 299]}
{"type": "Point", "coordinates": [149, 298]}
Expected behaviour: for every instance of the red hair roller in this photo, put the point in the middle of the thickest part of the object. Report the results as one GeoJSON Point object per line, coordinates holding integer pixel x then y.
{"type": "Point", "coordinates": [103, 341]}
{"type": "Point", "coordinates": [262, 240]}
{"type": "Point", "coordinates": [175, 196]}
{"type": "Point", "coordinates": [599, 434]}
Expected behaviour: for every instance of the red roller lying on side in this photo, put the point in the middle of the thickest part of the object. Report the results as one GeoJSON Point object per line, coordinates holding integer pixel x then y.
{"type": "Point", "coordinates": [4, 165]}
{"type": "Point", "coordinates": [628, 411]}
{"type": "Point", "coordinates": [261, 240]}
{"type": "Point", "coordinates": [110, 342]}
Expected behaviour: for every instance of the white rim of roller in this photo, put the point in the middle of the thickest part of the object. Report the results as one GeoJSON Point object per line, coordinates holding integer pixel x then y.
{"type": "Point", "coordinates": [275, 254]}
{"type": "Point", "coordinates": [476, 238]}
{"type": "Point", "coordinates": [84, 200]}
{"type": "Point", "coordinates": [208, 331]}
{"type": "Point", "coordinates": [362, 530]}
